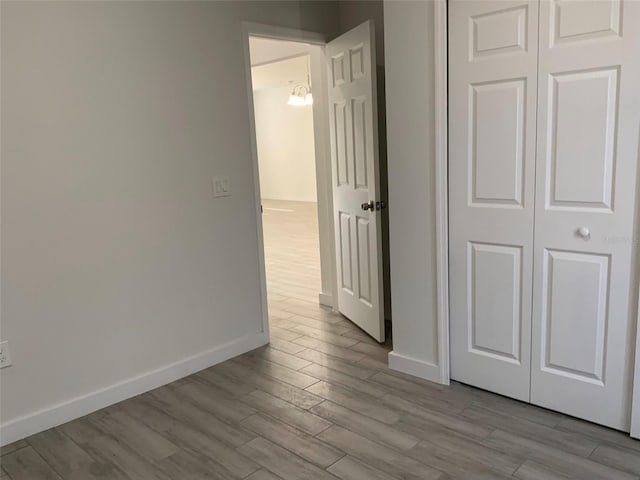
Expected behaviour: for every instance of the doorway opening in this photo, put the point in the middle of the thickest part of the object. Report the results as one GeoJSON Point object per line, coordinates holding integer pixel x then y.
{"type": "Point", "coordinates": [291, 122]}
{"type": "Point", "coordinates": [284, 126]}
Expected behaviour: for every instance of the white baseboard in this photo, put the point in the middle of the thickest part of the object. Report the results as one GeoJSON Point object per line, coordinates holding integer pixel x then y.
{"type": "Point", "coordinates": [417, 368]}
{"type": "Point", "coordinates": [325, 299]}
{"type": "Point", "coordinates": [55, 415]}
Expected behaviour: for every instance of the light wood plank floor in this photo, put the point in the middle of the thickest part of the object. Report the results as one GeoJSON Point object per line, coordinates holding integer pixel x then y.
{"type": "Point", "coordinates": [319, 403]}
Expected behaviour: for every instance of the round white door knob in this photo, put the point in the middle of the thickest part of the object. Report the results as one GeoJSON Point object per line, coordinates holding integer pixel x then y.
{"type": "Point", "coordinates": [584, 233]}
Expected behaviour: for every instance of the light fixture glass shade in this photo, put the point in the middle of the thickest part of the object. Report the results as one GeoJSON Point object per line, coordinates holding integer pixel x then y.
{"type": "Point", "coordinates": [300, 96]}
{"type": "Point", "coordinates": [296, 100]}
{"type": "Point", "coordinates": [301, 93]}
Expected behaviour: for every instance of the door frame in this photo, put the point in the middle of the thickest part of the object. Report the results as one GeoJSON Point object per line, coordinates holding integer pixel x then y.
{"type": "Point", "coordinates": [322, 148]}
{"type": "Point", "coordinates": [441, 58]}
{"type": "Point", "coordinates": [442, 221]}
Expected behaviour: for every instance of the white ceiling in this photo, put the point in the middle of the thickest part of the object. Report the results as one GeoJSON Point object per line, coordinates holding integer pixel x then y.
{"type": "Point", "coordinates": [265, 50]}
{"type": "Point", "coordinates": [280, 74]}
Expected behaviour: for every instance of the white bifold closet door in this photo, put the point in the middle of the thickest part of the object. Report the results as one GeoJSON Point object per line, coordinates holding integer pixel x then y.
{"type": "Point", "coordinates": [544, 113]}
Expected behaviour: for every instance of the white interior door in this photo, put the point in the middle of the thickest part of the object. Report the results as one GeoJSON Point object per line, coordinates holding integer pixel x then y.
{"type": "Point", "coordinates": [588, 126]}
{"type": "Point", "coordinates": [354, 154]}
{"type": "Point", "coordinates": [492, 131]}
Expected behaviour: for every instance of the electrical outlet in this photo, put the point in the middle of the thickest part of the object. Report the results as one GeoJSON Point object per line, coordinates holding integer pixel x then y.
{"type": "Point", "coordinates": [221, 187]}
{"type": "Point", "coordinates": [5, 355]}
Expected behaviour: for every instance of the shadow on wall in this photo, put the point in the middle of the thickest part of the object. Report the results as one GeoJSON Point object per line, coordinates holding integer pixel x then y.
{"type": "Point", "coordinates": [384, 188]}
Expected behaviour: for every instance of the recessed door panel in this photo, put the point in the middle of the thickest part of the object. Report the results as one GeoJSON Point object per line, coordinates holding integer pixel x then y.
{"type": "Point", "coordinates": [364, 260]}
{"type": "Point", "coordinates": [346, 275]}
{"type": "Point", "coordinates": [356, 56]}
{"type": "Point", "coordinates": [499, 32]}
{"type": "Point", "coordinates": [340, 133]}
{"type": "Point", "coordinates": [582, 130]}
{"type": "Point", "coordinates": [575, 305]}
{"type": "Point", "coordinates": [358, 107]}
{"type": "Point", "coordinates": [580, 20]}
{"type": "Point", "coordinates": [497, 144]}
{"type": "Point", "coordinates": [495, 307]}
{"type": "Point", "coordinates": [337, 69]}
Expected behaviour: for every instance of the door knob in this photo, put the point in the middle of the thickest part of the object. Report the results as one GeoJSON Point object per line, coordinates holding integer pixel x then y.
{"type": "Point", "coordinates": [584, 233]}
{"type": "Point", "coordinates": [369, 206]}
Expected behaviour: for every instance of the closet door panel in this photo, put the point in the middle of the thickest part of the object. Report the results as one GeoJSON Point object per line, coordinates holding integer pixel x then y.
{"type": "Point", "coordinates": [492, 121]}
{"type": "Point", "coordinates": [585, 220]}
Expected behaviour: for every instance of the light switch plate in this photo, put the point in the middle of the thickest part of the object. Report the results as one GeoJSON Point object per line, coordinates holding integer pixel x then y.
{"type": "Point", "coordinates": [221, 187]}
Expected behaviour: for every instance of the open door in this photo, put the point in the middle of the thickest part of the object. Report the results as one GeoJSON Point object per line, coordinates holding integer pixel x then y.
{"type": "Point", "coordinates": [353, 113]}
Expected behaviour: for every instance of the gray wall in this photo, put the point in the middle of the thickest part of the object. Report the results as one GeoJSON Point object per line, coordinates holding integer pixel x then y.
{"type": "Point", "coordinates": [116, 260]}
{"type": "Point", "coordinates": [409, 63]}
{"type": "Point", "coordinates": [352, 13]}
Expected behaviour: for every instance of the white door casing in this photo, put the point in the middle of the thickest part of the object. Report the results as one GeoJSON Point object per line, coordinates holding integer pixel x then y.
{"type": "Point", "coordinates": [355, 172]}
{"type": "Point", "coordinates": [492, 128]}
{"type": "Point", "coordinates": [584, 299]}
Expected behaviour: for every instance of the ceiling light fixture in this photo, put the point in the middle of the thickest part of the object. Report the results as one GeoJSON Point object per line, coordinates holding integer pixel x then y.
{"type": "Point", "coordinates": [301, 94]}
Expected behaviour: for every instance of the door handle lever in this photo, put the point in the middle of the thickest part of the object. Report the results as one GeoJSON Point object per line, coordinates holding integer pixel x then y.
{"type": "Point", "coordinates": [373, 206]}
